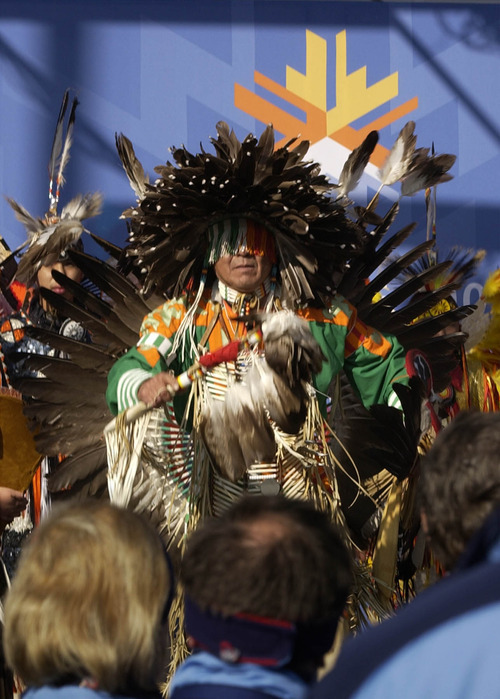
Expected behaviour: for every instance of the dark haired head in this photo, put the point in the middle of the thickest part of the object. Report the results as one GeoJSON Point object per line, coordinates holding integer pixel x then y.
{"type": "Point", "coordinates": [269, 580]}
{"type": "Point", "coordinates": [269, 556]}
{"type": "Point", "coordinates": [460, 482]}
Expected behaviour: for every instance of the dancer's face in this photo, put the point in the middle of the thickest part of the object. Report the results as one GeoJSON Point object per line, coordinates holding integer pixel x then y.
{"type": "Point", "coordinates": [243, 272]}
{"type": "Point", "coordinates": [46, 280]}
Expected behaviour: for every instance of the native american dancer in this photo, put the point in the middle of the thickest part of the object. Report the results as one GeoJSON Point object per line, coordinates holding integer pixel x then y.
{"type": "Point", "coordinates": [255, 234]}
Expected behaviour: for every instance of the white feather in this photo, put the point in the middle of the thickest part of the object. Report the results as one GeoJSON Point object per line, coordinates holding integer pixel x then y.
{"type": "Point", "coordinates": [83, 206]}
{"type": "Point", "coordinates": [399, 159]}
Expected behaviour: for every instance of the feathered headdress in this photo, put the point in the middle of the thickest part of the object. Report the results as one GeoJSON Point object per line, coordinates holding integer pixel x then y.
{"type": "Point", "coordinates": [278, 189]}
{"type": "Point", "coordinates": [48, 237]}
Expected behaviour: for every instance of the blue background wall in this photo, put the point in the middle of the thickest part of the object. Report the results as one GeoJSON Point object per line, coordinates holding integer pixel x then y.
{"type": "Point", "coordinates": [164, 72]}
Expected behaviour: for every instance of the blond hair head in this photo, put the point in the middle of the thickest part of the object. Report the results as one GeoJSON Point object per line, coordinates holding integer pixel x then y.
{"type": "Point", "coordinates": [89, 600]}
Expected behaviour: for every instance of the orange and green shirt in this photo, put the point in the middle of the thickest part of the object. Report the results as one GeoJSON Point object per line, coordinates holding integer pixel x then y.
{"type": "Point", "coordinates": [373, 362]}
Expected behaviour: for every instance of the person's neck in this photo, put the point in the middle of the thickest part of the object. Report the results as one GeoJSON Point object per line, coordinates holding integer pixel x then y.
{"type": "Point", "coordinates": [231, 295]}
{"type": "Point", "coordinates": [245, 302]}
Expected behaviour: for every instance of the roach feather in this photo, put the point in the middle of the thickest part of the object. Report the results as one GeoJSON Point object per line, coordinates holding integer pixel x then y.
{"type": "Point", "coordinates": [110, 332]}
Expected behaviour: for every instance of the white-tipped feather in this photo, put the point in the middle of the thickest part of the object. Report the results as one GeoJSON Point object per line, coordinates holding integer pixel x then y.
{"type": "Point", "coordinates": [399, 159]}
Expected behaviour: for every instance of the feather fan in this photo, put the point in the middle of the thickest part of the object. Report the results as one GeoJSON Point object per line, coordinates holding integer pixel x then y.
{"type": "Point", "coordinates": [275, 388]}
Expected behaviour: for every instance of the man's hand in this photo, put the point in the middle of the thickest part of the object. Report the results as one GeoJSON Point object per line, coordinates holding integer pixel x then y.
{"type": "Point", "coordinates": [12, 503]}
{"type": "Point", "coordinates": [158, 389]}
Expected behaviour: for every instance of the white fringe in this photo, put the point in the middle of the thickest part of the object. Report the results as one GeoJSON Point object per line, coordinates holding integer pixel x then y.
{"type": "Point", "coordinates": [124, 439]}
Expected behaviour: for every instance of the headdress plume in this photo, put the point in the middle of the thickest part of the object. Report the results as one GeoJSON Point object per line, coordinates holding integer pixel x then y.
{"type": "Point", "coordinates": [50, 235]}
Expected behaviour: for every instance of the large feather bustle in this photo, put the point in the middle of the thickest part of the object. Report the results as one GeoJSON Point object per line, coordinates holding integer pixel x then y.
{"type": "Point", "coordinates": [114, 320]}
{"type": "Point", "coordinates": [417, 283]}
{"type": "Point", "coordinates": [65, 398]}
{"type": "Point", "coordinates": [462, 265]}
{"type": "Point", "coordinates": [277, 188]}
